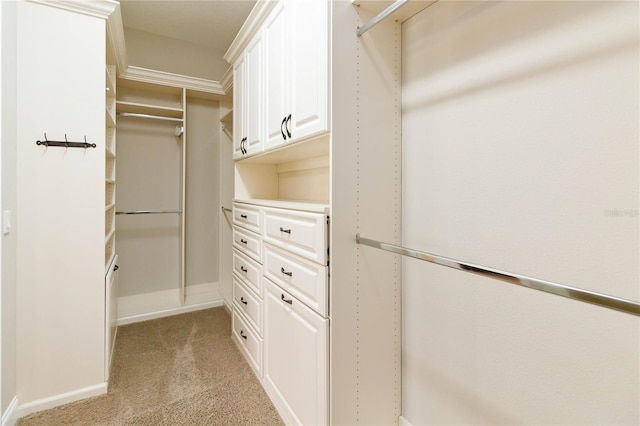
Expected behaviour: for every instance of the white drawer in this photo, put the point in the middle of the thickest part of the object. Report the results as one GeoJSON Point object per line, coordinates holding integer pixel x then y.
{"type": "Point", "coordinates": [248, 243]}
{"type": "Point", "coordinates": [300, 232]}
{"type": "Point", "coordinates": [304, 279]}
{"type": "Point", "coordinates": [248, 270]}
{"type": "Point", "coordinates": [250, 305]}
{"type": "Point", "coordinates": [248, 217]}
{"type": "Point", "coordinates": [250, 343]}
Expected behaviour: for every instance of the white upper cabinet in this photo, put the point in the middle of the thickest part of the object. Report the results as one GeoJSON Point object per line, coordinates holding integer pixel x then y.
{"type": "Point", "coordinates": [275, 39]}
{"type": "Point", "coordinates": [308, 74]}
{"type": "Point", "coordinates": [280, 77]}
{"type": "Point", "coordinates": [248, 100]}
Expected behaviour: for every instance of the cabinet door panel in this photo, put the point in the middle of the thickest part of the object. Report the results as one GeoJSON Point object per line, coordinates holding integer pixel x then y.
{"type": "Point", "coordinates": [295, 358]}
{"type": "Point", "coordinates": [254, 96]}
{"type": "Point", "coordinates": [308, 81]}
{"type": "Point", "coordinates": [239, 104]}
{"type": "Point", "coordinates": [276, 63]}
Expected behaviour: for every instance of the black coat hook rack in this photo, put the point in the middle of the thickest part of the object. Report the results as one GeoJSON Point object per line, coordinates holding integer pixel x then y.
{"type": "Point", "coordinates": [66, 143]}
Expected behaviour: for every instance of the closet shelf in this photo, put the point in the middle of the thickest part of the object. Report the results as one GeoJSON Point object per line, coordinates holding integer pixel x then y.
{"type": "Point", "coordinates": [227, 118]}
{"type": "Point", "coordinates": [137, 108]}
{"type": "Point", "coordinates": [110, 86]}
{"type": "Point", "coordinates": [109, 236]}
{"type": "Point", "coordinates": [308, 206]}
{"type": "Point", "coordinates": [111, 119]}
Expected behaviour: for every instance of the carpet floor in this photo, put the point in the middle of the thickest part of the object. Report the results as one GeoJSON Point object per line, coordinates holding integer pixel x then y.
{"type": "Point", "coordinates": [179, 370]}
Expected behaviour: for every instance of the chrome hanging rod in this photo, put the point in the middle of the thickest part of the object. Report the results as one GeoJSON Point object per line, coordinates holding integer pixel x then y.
{"type": "Point", "coordinates": [153, 117]}
{"type": "Point", "coordinates": [380, 16]}
{"type": "Point", "coordinates": [606, 301]}
{"type": "Point", "coordinates": [225, 209]}
{"type": "Point", "coordinates": [151, 212]}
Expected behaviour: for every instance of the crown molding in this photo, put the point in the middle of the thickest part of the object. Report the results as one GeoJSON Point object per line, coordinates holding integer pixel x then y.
{"type": "Point", "coordinates": [96, 8]}
{"type": "Point", "coordinates": [250, 27]}
{"type": "Point", "coordinates": [227, 80]}
{"type": "Point", "coordinates": [145, 75]}
{"type": "Point", "coordinates": [115, 40]}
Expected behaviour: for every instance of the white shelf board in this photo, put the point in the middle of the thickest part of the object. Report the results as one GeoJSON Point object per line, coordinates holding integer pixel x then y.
{"type": "Point", "coordinates": [138, 108]}
{"type": "Point", "coordinates": [405, 12]}
{"type": "Point", "coordinates": [308, 206]}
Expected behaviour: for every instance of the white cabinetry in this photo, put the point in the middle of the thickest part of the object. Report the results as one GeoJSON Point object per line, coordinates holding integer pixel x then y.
{"type": "Point", "coordinates": [297, 90]}
{"type": "Point", "coordinates": [248, 100]}
{"type": "Point", "coordinates": [247, 283]}
{"type": "Point", "coordinates": [295, 358]}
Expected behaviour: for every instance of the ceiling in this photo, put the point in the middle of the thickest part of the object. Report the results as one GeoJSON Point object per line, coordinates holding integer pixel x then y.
{"type": "Point", "coordinates": [210, 25]}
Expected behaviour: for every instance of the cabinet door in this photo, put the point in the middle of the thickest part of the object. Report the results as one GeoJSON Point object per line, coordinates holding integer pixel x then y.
{"type": "Point", "coordinates": [295, 358]}
{"type": "Point", "coordinates": [276, 63]}
{"type": "Point", "coordinates": [308, 74]}
{"type": "Point", "coordinates": [239, 104]}
{"type": "Point", "coordinates": [254, 105]}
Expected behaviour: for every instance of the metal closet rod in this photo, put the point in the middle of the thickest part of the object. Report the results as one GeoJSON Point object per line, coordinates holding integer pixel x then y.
{"type": "Point", "coordinates": [153, 117]}
{"type": "Point", "coordinates": [606, 301]}
{"type": "Point", "coordinates": [226, 209]}
{"type": "Point", "coordinates": [150, 212]}
{"type": "Point", "coordinates": [380, 16]}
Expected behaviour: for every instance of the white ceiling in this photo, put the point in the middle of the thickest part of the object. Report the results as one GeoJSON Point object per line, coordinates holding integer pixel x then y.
{"type": "Point", "coordinates": [209, 24]}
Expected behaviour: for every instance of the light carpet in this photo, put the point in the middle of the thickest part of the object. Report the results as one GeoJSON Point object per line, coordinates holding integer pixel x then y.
{"type": "Point", "coordinates": [179, 370]}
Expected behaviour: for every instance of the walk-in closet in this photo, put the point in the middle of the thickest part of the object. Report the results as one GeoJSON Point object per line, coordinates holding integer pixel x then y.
{"type": "Point", "coordinates": [168, 198]}
{"type": "Point", "coordinates": [400, 212]}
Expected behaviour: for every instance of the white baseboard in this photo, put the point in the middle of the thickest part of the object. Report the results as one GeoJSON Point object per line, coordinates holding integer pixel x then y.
{"type": "Point", "coordinates": [143, 307]}
{"type": "Point", "coordinates": [57, 400]}
{"type": "Point", "coordinates": [402, 421]}
{"type": "Point", "coordinates": [8, 418]}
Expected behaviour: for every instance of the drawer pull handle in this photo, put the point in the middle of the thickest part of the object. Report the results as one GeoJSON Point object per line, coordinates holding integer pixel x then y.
{"type": "Point", "coordinates": [288, 231]}
{"type": "Point", "coordinates": [243, 335]}
{"type": "Point", "coordinates": [285, 272]}
{"type": "Point", "coordinates": [243, 216]}
{"type": "Point", "coordinates": [243, 241]}
{"type": "Point", "coordinates": [289, 301]}
{"type": "Point", "coordinates": [243, 301]}
{"type": "Point", "coordinates": [243, 269]}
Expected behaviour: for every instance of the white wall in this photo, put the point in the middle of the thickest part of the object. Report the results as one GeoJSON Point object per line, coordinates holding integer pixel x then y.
{"type": "Point", "coordinates": [520, 141]}
{"type": "Point", "coordinates": [203, 204]}
{"type": "Point", "coordinates": [156, 52]}
{"type": "Point", "coordinates": [8, 179]}
{"type": "Point", "coordinates": [60, 207]}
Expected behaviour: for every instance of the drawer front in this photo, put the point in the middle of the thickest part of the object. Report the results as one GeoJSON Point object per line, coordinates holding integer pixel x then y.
{"type": "Point", "coordinates": [248, 303]}
{"type": "Point", "coordinates": [304, 279]}
{"type": "Point", "coordinates": [249, 342]}
{"type": "Point", "coordinates": [303, 233]}
{"type": "Point", "coordinates": [248, 217]}
{"type": "Point", "coordinates": [248, 243]}
{"type": "Point", "coordinates": [248, 270]}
